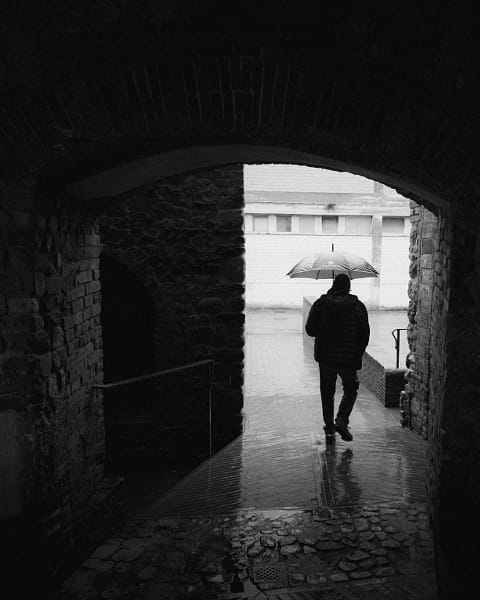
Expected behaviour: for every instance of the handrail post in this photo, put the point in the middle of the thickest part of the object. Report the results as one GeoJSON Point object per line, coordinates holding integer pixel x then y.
{"type": "Point", "coordinates": [398, 348]}
{"type": "Point", "coordinates": [397, 342]}
{"type": "Point", "coordinates": [397, 345]}
{"type": "Point", "coordinates": [210, 382]}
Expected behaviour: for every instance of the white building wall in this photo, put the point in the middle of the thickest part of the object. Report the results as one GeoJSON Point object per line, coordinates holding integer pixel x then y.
{"type": "Point", "coordinates": [269, 257]}
{"type": "Point", "coordinates": [295, 190]}
{"type": "Point", "coordinates": [394, 272]}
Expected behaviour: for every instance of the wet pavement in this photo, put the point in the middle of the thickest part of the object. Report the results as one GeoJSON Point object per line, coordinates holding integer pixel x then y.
{"type": "Point", "coordinates": [279, 513]}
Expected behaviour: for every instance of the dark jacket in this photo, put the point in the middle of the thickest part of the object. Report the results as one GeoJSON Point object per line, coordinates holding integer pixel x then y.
{"type": "Point", "coordinates": [339, 323]}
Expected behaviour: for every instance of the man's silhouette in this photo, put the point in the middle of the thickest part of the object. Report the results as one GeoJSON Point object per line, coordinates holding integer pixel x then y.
{"type": "Point", "coordinates": [339, 322]}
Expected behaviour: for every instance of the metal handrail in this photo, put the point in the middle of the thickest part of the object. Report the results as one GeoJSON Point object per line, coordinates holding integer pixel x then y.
{"type": "Point", "coordinates": [210, 362]}
{"type": "Point", "coordinates": [397, 342]}
{"type": "Point", "coordinates": [114, 384]}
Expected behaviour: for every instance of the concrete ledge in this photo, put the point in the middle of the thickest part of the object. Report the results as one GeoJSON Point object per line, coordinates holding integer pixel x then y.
{"type": "Point", "coordinates": [385, 383]}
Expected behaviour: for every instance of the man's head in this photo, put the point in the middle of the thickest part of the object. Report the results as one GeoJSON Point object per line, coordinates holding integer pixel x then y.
{"type": "Point", "coordinates": [341, 284]}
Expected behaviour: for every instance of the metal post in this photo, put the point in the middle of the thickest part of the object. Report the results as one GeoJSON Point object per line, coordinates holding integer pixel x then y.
{"type": "Point", "coordinates": [398, 348]}
{"type": "Point", "coordinates": [210, 380]}
{"type": "Point", "coordinates": [397, 344]}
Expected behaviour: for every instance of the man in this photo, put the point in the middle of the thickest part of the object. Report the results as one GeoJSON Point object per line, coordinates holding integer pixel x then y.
{"type": "Point", "coordinates": [339, 322]}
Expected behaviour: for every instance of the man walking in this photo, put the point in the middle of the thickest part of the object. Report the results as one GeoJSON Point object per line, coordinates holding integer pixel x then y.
{"type": "Point", "coordinates": [339, 322]}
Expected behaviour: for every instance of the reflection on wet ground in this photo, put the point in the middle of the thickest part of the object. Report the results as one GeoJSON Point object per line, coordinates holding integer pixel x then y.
{"type": "Point", "coordinates": [281, 460]}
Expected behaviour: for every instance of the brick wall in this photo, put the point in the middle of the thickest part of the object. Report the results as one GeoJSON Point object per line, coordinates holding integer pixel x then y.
{"type": "Point", "coordinates": [394, 385]}
{"type": "Point", "coordinates": [51, 354]}
{"type": "Point", "coordinates": [372, 375]}
{"type": "Point", "coordinates": [183, 240]}
{"type": "Point", "coordinates": [386, 384]}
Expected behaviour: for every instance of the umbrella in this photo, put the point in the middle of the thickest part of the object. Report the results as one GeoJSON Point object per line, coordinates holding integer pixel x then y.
{"type": "Point", "coordinates": [329, 264]}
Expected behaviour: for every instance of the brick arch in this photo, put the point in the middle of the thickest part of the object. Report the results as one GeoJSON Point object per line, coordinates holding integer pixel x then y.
{"type": "Point", "coordinates": [91, 124]}
{"type": "Point", "coordinates": [128, 176]}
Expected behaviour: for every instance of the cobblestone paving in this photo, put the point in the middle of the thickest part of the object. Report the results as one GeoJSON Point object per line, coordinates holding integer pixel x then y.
{"type": "Point", "coordinates": [278, 513]}
{"type": "Point", "coordinates": [284, 554]}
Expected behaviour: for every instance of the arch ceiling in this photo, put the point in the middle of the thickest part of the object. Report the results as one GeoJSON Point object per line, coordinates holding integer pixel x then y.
{"type": "Point", "coordinates": [390, 90]}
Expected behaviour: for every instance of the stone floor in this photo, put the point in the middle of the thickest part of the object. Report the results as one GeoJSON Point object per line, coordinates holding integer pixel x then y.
{"type": "Point", "coordinates": [279, 513]}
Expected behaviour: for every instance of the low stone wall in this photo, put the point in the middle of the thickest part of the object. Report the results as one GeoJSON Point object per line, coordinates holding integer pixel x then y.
{"type": "Point", "coordinates": [372, 376]}
{"type": "Point", "coordinates": [394, 385]}
{"type": "Point", "coordinates": [386, 384]}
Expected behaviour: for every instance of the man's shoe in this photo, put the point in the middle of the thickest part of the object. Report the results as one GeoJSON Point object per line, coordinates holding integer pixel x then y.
{"type": "Point", "coordinates": [329, 430]}
{"type": "Point", "coordinates": [344, 433]}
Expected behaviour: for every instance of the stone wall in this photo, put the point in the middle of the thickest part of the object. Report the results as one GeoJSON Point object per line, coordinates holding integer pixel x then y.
{"type": "Point", "coordinates": [425, 256]}
{"type": "Point", "coordinates": [183, 239]}
{"type": "Point", "coordinates": [50, 355]}
{"type": "Point", "coordinates": [452, 479]}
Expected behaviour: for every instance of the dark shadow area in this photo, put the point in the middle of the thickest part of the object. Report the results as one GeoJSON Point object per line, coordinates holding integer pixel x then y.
{"type": "Point", "coordinates": [153, 435]}
{"type": "Point", "coordinates": [128, 323]}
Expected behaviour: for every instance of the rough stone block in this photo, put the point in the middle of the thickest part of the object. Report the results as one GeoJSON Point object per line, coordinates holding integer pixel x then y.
{"type": "Point", "coordinates": [92, 286]}
{"type": "Point", "coordinates": [23, 305]}
{"type": "Point", "coordinates": [83, 277]}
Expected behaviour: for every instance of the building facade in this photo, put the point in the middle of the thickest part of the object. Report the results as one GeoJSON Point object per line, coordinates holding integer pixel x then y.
{"type": "Point", "coordinates": [292, 211]}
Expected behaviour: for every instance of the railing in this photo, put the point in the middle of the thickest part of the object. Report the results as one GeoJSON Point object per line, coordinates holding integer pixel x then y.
{"type": "Point", "coordinates": [397, 343]}
{"type": "Point", "coordinates": [158, 374]}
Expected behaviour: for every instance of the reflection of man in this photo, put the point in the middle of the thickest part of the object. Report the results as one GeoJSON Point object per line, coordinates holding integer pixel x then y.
{"type": "Point", "coordinates": [339, 322]}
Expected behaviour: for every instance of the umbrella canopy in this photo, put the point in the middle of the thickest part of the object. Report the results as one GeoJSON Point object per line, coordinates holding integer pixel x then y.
{"type": "Point", "coordinates": [329, 264]}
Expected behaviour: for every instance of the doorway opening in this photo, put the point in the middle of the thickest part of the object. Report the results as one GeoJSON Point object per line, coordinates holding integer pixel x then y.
{"type": "Point", "coordinates": [128, 324]}
{"type": "Point", "coordinates": [291, 212]}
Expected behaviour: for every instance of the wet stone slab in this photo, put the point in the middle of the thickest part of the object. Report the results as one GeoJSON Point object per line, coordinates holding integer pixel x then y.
{"type": "Point", "coordinates": [210, 557]}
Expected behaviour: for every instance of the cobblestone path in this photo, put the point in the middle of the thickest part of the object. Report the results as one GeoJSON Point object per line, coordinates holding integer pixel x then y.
{"type": "Point", "coordinates": [375, 551]}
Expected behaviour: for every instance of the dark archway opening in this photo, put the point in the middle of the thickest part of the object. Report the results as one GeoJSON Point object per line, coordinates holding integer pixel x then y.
{"type": "Point", "coordinates": [128, 323]}
{"type": "Point", "coordinates": [128, 318]}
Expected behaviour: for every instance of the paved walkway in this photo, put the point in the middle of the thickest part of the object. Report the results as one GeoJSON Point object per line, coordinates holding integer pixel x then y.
{"type": "Point", "coordinates": [278, 513]}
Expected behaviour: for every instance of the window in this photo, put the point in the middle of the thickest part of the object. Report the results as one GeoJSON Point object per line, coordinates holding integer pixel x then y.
{"type": "Point", "coordinates": [358, 225]}
{"type": "Point", "coordinates": [260, 223]}
{"type": "Point", "coordinates": [284, 223]}
{"type": "Point", "coordinates": [307, 224]}
{"type": "Point", "coordinates": [329, 224]}
{"type": "Point", "coordinates": [393, 225]}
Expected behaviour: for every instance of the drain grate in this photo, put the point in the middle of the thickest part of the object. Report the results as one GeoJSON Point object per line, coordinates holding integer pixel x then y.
{"type": "Point", "coordinates": [269, 576]}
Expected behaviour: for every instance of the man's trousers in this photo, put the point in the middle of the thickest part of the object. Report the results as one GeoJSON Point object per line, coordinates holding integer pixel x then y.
{"type": "Point", "coordinates": [328, 379]}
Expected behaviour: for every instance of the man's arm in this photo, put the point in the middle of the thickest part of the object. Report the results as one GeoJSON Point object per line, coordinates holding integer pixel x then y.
{"type": "Point", "coordinates": [363, 327]}
{"type": "Point", "coordinates": [311, 325]}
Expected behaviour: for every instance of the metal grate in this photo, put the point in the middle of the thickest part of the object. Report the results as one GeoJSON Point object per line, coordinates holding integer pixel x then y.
{"type": "Point", "coordinates": [270, 576]}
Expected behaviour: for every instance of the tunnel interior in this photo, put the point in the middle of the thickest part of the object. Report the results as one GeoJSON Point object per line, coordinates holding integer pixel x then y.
{"type": "Point", "coordinates": [390, 92]}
